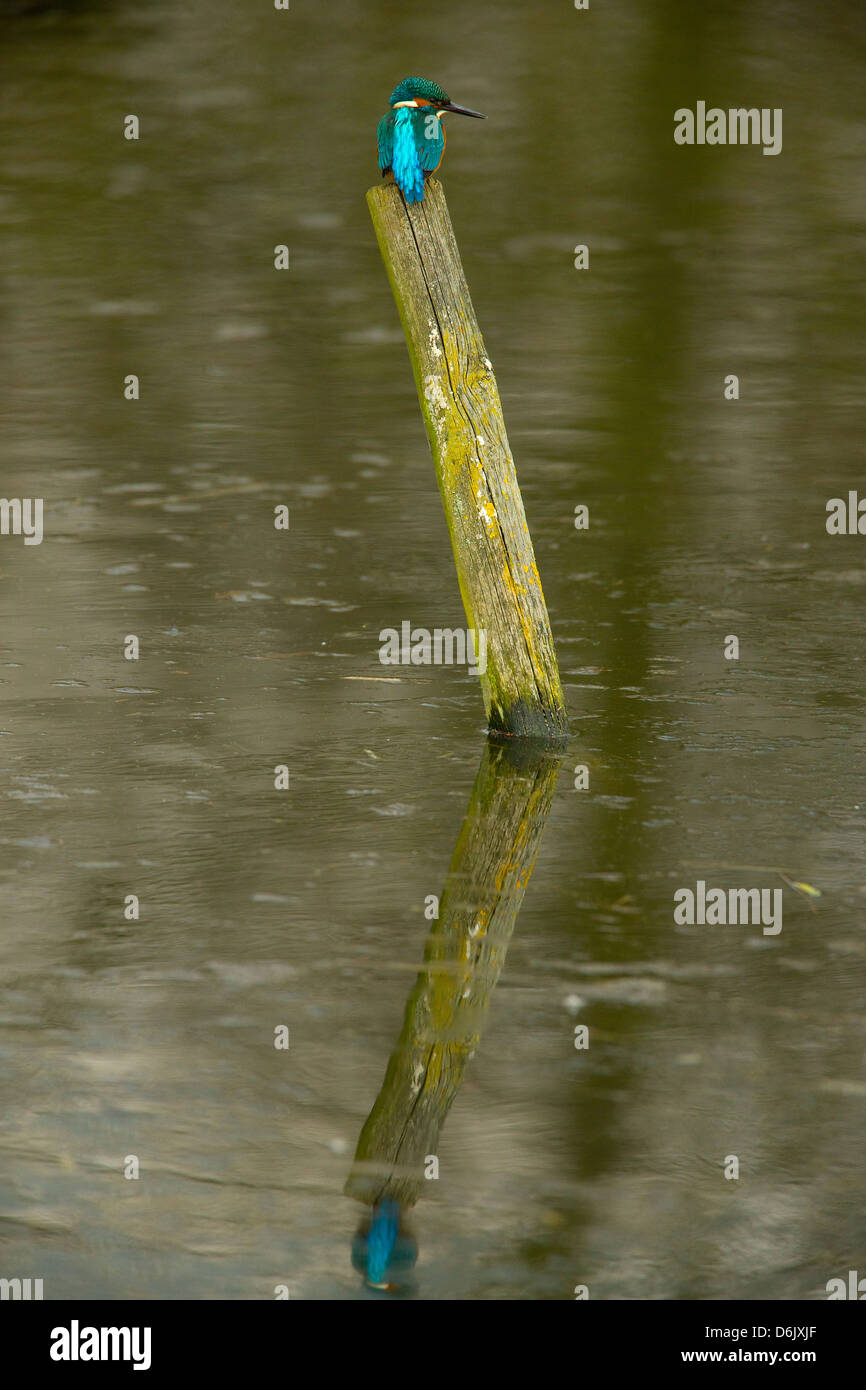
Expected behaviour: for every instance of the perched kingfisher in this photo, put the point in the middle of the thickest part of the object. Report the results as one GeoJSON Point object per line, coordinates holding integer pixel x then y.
{"type": "Point", "coordinates": [411, 136]}
{"type": "Point", "coordinates": [383, 1250]}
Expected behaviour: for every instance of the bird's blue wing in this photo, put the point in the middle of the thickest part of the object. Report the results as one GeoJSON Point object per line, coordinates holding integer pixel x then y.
{"type": "Point", "coordinates": [385, 140]}
{"type": "Point", "coordinates": [429, 137]}
{"type": "Point", "coordinates": [411, 144]}
{"type": "Point", "coordinates": [405, 162]}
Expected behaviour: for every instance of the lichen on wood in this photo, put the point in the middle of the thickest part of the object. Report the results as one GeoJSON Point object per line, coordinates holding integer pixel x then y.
{"type": "Point", "coordinates": [460, 404]}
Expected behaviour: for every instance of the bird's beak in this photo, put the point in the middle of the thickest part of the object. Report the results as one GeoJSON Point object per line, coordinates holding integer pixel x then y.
{"type": "Point", "coordinates": [462, 111]}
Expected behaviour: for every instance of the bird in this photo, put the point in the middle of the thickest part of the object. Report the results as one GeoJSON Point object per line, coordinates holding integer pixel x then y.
{"type": "Point", "coordinates": [383, 1251]}
{"type": "Point", "coordinates": [411, 137]}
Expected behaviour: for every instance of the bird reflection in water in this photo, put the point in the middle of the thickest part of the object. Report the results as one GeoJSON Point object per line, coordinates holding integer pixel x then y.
{"type": "Point", "coordinates": [447, 1005]}
{"type": "Point", "coordinates": [383, 1250]}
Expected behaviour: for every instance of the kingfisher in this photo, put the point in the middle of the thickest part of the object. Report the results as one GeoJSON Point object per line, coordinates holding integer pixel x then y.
{"type": "Point", "coordinates": [383, 1250]}
{"type": "Point", "coordinates": [411, 136]}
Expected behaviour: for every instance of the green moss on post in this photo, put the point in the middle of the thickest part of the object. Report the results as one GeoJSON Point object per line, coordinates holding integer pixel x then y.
{"type": "Point", "coordinates": [460, 403]}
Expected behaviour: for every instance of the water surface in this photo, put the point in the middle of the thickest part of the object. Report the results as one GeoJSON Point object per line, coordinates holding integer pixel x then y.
{"type": "Point", "coordinates": [305, 908]}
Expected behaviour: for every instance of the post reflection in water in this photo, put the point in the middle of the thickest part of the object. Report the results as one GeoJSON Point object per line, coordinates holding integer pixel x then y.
{"type": "Point", "coordinates": [490, 868]}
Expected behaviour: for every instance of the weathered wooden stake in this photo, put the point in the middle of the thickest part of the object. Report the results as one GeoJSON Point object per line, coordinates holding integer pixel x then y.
{"type": "Point", "coordinates": [460, 403]}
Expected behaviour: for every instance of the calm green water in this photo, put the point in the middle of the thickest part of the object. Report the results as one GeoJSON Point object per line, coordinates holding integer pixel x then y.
{"type": "Point", "coordinates": [306, 908]}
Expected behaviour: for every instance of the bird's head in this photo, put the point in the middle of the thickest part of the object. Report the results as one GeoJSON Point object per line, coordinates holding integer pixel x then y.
{"type": "Point", "coordinates": [420, 91]}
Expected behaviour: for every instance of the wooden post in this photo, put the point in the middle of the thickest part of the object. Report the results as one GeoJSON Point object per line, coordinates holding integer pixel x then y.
{"type": "Point", "coordinates": [460, 404]}
{"type": "Point", "coordinates": [490, 869]}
